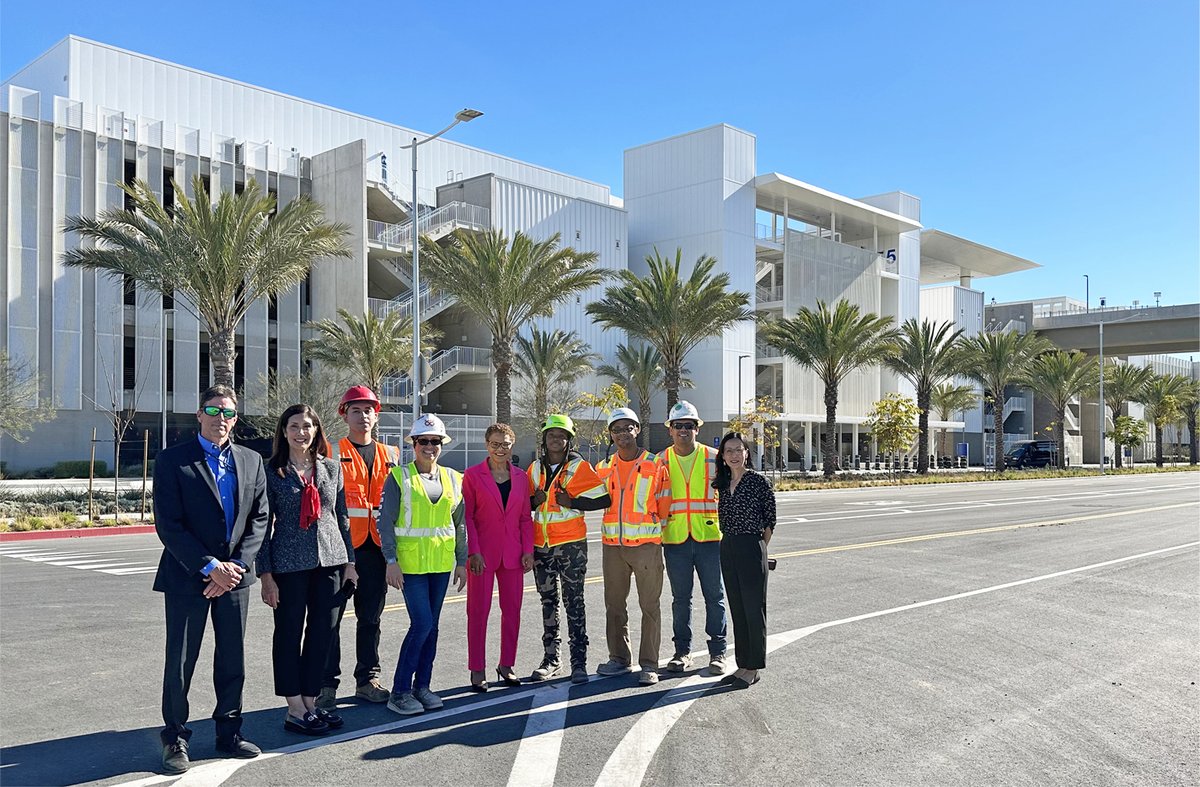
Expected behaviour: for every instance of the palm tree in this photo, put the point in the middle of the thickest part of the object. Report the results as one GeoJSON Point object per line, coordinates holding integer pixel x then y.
{"type": "Point", "coordinates": [833, 343]}
{"type": "Point", "coordinates": [1191, 404]}
{"type": "Point", "coordinates": [370, 349]}
{"type": "Point", "coordinates": [639, 369]}
{"type": "Point", "coordinates": [215, 260]}
{"type": "Point", "coordinates": [1164, 396]}
{"type": "Point", "coordinates": [997, 360]}
{"type": "Point", "coordinates": [948, 399]}
{"type": "Point", "coordinates": [926, 354]}
{"type": "Point", "coordinates": [1059, 377]}
{"type": "Point", "coordinates": [547, 360]}
{"type": "Point", "coordinates": [505, 285]}
{"type": "Point", "coordinates": [1123, 384]}
{"type": "Point", "coordinates": [672, 313]}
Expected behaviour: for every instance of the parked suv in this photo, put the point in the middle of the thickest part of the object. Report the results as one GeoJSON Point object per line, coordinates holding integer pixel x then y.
{"type": "Point", "coordinates": [1031, 453]}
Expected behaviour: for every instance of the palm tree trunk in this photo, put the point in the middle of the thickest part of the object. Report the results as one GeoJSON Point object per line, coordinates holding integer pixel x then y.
{"type": "Point", "coordinates": [942, 441]}
{"type": "Point", "coordinates": [1193, 443]}
{"type": "Point", "coordinates": [644, 415]}
{"type": "Point", "coordinates": [827, 446]}
{"type": "Point", "coordinates": [1158, 445]}
{"type": "Point", "coordinates": [502, 361]}
{"type": "Point", "coordinates": [1060, 437]}
{"type": "Point", "coordinates": [672, 372]}
{"type": "Point", "coordinates": [998, 434]}
{"type": "Point", "coordinates": [222, 350]}
{"type": "Point", "coordinates": [1116, 409]}
{"type": "Point", "coordinates": [923, 436]}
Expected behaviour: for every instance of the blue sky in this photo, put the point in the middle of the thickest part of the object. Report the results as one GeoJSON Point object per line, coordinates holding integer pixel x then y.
{"type": "Point", "coordinates": [1064, 132]}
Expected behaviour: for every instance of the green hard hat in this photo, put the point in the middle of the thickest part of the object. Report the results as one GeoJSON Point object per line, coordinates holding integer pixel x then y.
{"type": "Point", "coordinates": [563, 422]}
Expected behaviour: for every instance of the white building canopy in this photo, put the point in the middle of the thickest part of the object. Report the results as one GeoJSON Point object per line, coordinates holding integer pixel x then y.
{"type": "Point", "coordinates": [821, 208]}
{"type": "Point", "coordinates": [946, 257]}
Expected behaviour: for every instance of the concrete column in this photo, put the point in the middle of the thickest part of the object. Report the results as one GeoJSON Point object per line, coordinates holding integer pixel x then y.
{"type": "Point", "coordinates": [964, 278]}
{"type": "Point", "coordinates": [807, 445]}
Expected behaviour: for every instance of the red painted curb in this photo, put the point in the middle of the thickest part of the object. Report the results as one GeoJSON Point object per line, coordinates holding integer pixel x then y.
{"type": "Point", "coordinates": [77, 532]}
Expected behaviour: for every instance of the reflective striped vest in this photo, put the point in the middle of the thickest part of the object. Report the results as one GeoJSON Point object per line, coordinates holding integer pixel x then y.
{"type": "Point", "coordinates": [632, 519]}
{"type": "Point", "coordinates": [553, 524]}
{"type": "Point", "coordinates": [362, 503]}
{"type": "Point", "coordinates": [690, 501]}
{"type": "Point", "coordinates": [425, 530]}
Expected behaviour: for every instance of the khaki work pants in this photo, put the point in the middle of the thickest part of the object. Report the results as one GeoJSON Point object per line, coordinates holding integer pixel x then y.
{"type": "Point", "coordinates": [644, 563]}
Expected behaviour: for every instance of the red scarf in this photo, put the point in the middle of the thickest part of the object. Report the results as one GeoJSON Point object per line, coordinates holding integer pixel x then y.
{"type": "Point", "coordinates": [310, 501]}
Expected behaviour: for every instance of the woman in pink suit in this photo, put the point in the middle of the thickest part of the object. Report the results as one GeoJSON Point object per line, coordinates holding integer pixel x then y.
{"type": "Point", "coordinates": [500, 548]}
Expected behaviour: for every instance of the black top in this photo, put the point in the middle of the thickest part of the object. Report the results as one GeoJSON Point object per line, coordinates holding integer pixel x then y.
{"type": "Point", "coordinates": [748, 510]}
{"type": "Point", "coordinates": [505, 487]}
{"type": "Point", "coordinates": [367, 452]}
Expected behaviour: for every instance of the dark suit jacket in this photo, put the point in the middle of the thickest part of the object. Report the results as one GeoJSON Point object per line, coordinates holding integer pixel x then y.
{"type": "Point", "coordinates": [501, 533]}
{"type": "Point", "coordinates": [190, 522]}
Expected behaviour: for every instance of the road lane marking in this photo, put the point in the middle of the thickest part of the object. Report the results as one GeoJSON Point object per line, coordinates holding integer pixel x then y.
{"type": "Point", "coordinates": [978, 531]}
{"type": "Point", "coordinates": [537, 757]}
{"type": "Point", "coordinates": [631, 759]}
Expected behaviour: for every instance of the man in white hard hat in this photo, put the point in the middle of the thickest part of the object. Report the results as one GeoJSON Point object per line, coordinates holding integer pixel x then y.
{"type": "Point", "coordinates": [632, 548]}
{"type": "Point", "coordinates": [691, 537]}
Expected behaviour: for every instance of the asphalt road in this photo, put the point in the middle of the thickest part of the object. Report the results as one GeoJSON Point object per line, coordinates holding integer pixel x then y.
{"type": "Point", "coordinates": [1025, 632]}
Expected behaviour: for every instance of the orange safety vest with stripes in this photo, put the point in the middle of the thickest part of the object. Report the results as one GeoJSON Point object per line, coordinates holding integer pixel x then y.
{"type": "Point", "coordinates": [552, 523]}
{"type": "Point", "coordinates": [362, 502]}
{"type": "Point", "coordinates": [632, 519]}
{"type": "Point", "coordinates": [687, 502]}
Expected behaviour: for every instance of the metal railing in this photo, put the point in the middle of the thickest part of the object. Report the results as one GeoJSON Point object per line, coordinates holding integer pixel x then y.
{"type": "Point", "coordinates": [1013, 404]}
{"type": "Point", "coordinates": [448, 217]}
{"type": "Point", "coordinates": [432, 302]}
{"type": "Point", "coordinates": [442, 366]}
{"type": "Point", "coordinates": [768, 293]}
{"type": "Point", "coordinates": [764, 350]}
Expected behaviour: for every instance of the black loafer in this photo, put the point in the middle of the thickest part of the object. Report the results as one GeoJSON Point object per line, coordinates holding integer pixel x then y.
{"type": "Point", "coordinates": [238, 747]}
{"type": "Point", "coordinates": [332, 719]}
{"type": "Point", "coordinates": [175, 757]}
{"type": "Point", "coordinates": [311, 724]}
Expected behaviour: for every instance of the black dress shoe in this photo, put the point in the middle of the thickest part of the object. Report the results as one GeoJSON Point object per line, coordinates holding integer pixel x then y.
{"type": "Point", "coordinates": [175, 757]}
{"type": "Point", "coordinates": [332, 719]}
{"type": "Point", "coordinates": [310, 724]}
{"type": "Point", "coordinates": [238, 747]}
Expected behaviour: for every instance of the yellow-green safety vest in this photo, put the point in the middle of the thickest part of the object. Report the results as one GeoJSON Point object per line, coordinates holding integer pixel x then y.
{"type": "Point", "coordinates": [693, 509]}
{"type": "Point", "coordinates": [425, 530]}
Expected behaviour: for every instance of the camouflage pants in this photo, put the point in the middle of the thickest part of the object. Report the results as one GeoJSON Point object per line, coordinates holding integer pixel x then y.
{"type": "Point", "coordinates": [565, 564]}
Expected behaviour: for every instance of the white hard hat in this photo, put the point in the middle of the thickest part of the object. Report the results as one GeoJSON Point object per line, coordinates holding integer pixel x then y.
{"type": "Point", "coordinates": [429, 424]}
{"type": "Point", "coordinates": [683, 411]}
{"type": "Point", "coordinates": [623, 413]}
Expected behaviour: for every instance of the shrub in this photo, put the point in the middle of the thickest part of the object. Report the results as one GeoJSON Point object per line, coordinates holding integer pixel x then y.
{"type": "Point", "coordinates": [77, 468]}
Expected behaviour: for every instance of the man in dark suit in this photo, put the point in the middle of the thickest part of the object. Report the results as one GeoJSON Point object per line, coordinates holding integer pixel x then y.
{"type": "Point", "coordinates": [210, 512]}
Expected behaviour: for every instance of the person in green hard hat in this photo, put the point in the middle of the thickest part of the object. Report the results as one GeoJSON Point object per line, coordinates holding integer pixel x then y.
{"type": "Point", "coordinates": [562, 485]}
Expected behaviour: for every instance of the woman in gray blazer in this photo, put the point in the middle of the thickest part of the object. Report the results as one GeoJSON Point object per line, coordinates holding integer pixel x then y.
{"type": "Point", "coordinates": [303, 563]}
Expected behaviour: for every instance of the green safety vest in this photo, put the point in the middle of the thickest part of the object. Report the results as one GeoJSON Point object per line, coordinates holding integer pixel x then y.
{"type": "Point", "coordinates": [693, 508]}
{"type": "Point", "coordinates": [425, 530]}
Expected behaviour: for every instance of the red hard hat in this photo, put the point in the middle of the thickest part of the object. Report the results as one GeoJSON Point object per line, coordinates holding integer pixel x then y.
{"type": "Point", "coordinates": [359, 393]}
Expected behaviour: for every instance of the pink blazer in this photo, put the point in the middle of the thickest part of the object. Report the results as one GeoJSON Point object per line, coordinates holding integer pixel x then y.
{"type": "Point", "coordinates": [500, 533]}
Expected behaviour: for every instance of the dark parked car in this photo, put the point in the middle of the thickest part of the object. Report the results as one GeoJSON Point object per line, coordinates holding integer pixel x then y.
{"type": "Point", "coordinates": [1031, 453]}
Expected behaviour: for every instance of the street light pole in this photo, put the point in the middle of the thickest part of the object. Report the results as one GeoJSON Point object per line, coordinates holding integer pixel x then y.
{"type": "Point", "coordinates": [463, 116]}
{"type": "Point", "coordinates": [1087, 297]}
{"type": "Point", "coordinates": [740, 359]}
{"type": "Point", "coordinates": [1103, 416]}
{"type": "Point", "coordinates": [171, 312]}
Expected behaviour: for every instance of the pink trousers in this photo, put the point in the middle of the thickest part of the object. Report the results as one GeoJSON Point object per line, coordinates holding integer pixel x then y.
{"type": "Point", "coordinates": [479, 605]}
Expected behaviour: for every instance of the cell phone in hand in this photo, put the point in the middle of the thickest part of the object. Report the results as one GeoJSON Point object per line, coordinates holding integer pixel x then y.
{"type": "Point", "coordinates": [771, 564]}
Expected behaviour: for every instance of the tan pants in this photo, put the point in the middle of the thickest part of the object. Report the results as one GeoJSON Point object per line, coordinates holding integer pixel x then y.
{"type": "Point", "coordinates": [645, 564]}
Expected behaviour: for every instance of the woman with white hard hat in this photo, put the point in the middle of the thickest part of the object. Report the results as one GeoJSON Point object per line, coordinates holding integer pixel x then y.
{"type": "Point", "coordinates": [423, 540]}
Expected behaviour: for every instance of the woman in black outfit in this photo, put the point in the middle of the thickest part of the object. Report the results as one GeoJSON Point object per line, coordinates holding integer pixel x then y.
{"type": "Point", "coordinates": [746, 512]}
{"type": "Point", "coordinates": [305, 558]}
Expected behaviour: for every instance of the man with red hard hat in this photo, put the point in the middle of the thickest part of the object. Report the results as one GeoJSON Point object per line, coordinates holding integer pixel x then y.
{"type": "Point", "coordinates": [365, 466]}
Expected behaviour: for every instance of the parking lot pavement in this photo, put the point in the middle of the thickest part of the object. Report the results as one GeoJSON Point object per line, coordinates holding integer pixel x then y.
{"type": "Point", "coordinates": [1025, 632]}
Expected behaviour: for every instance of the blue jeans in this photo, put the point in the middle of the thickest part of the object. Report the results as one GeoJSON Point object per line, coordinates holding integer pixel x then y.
{"type": "Point", "coordinates": [704, 558]}
{"type": "Point", "coordinates": [423, 596]}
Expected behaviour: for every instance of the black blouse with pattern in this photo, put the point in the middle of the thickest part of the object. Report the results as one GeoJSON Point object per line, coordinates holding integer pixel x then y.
{"type": "Point", "coordinates": [749, 509]}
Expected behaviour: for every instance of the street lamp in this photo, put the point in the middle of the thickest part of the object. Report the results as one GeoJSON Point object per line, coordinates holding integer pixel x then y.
{"type": "Point", "coordinates": [463, 116]}
{"type": "Point", "coordinates": [1087, 298]}
{"type": "Point", "coordinates": [740, 359]}
{"type": "Point", "coordinates": [1157, 296]}
{"type": "Point", "coordinates": [1103, 416]}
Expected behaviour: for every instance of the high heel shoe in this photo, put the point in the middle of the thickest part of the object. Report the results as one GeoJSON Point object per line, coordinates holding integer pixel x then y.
{"type": "Point", "coordinates": [508, 676]}
{"type": "Point", "coordinates": [477, 681]}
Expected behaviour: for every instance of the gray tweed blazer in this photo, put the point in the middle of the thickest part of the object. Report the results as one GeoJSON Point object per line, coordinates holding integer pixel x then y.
{"type": "Point", "coordinates": [325, 543]}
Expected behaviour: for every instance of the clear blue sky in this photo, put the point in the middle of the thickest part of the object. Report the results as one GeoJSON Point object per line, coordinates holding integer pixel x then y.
{"type": "Point", "coordinates": [1064, 132]}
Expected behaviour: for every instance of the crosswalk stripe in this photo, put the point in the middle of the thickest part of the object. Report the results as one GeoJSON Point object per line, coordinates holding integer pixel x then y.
{"type": "Point", "coordinates": [126, 571]}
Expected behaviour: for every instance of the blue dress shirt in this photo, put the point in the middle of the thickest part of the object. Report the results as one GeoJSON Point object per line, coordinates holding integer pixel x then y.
{"type": "Point", "coordinates": [221, 465]}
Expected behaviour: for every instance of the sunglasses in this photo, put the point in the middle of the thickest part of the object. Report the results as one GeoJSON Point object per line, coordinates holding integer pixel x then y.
{"type": "Point", "coordinates": [427, 441]}
{"type": "Point", "coordinates": [684, 426]}
{"type": "Point", "coordinates": [224, 412]}
{"type": "Point", "coordinates": [622, 429]}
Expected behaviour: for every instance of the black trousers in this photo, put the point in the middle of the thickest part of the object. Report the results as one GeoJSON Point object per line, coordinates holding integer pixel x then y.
{"type": "Point", "coordinates": [304, 621]}
{"type": "Point", "coordinates": [187, 615]}
{"type": "Point", "coordinates": [744, 567]}
{"type": "Point", "coordinates": [369, 600]}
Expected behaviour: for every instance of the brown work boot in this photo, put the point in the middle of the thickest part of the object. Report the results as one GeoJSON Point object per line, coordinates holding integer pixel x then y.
{"type": "Point", "coordinates": [372, 691]}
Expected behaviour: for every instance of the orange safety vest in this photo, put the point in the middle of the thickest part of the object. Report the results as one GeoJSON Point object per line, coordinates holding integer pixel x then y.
{"type": "Point", "coordinates": [687, 502]}
{"type": "Point", "coordinates": [362, 503]}
{"type": "Point", "coordinates": [632, 519]}
{"type": "Point", "coordinates": [553, 524]}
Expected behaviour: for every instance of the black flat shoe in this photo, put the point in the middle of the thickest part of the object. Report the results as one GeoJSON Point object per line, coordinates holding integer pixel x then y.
{"type": "Point", "coordinates": [508, 676]}
{"type": "Point", "coordinates": [311, 724]}
{"type": "Point", "coordinates": [175, 757]}
{"type": "Point", "coordinates": [742, 683]}
{"type": "Point", "coordinates": [238, 747]}
{"type": "Point", "coordinates": [730, 678]}
{"type": "Point", "coordinates": [334, 721]}
{"type": "Point", "coordinates": [477, 682]}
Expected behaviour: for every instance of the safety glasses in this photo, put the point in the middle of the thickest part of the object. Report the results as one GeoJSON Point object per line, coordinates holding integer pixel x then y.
{"type": "Point", "coordinates": [683, 426]}
{"type": "Point", "coordinates": [224, 412]}
{"type": "Point", "coordinates": [427, 441]}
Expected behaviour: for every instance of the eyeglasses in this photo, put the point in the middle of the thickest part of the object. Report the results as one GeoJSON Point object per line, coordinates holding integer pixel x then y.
{"type": "Point", "coordinates": [622, 429]}
{"type": "Point", "coordinates": [500, 446]}
{"type": "Point", "coordinates": [427, 441]}
{"type": "Point", "coordinates": [684, 426]}
{"type": "Point", "coordinates": [224, 412]}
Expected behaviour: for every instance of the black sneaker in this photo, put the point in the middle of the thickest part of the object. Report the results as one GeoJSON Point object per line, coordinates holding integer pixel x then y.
{"type": "Point", "coordinates": [175, 757]}
{"type": "Point", "coordinates": [238, 747]}
{"type": "Point", "coordinates": [310, 724]}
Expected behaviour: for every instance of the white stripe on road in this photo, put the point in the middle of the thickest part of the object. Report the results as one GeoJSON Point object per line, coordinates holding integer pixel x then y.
{"type": "Point", "coordinates": [121, 572]}
{"type": "Point", "coordinates": [537, 757]}
{"type": "Point", "coordinates": [104, 564]}
{"type": "Point", "coordinates": [630, 760]}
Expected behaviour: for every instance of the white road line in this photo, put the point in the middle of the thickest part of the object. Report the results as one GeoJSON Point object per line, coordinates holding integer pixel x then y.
{"type": "Point", "coordinates": [103, 564]}
{"type": "Point", "coordinates": [60, 556]}
{"type": "Point", "coordinates": [630, 760]}
{"type": "Point", "coordinates": [77, 563]}
{"type": "Point", "coordinates": [122, 572]}
{"type": "Point", "coordinates": [537, 757]}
